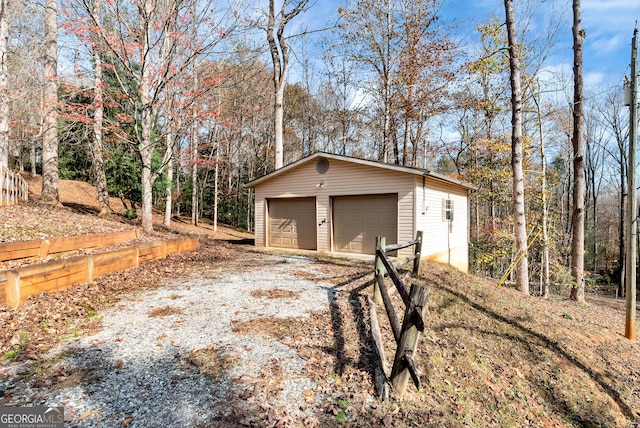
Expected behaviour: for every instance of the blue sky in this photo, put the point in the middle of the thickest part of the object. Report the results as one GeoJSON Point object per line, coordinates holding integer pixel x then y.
{"type": "Point", "coordinates": [609, 25]}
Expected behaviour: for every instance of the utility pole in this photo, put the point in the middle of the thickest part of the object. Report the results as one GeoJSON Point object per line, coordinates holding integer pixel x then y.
{"type": "Point", "coordinates": [632, 227]}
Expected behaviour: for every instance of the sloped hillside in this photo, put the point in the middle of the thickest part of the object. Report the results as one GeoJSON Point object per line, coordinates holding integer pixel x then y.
{"type": "Point", "coordinates": [489, 356]}
{"type": "Point", "coordinates": [81, 198]}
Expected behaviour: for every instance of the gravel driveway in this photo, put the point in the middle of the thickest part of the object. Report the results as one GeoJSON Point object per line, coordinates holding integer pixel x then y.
{"type": "Point", "coordinates": [175, 357]}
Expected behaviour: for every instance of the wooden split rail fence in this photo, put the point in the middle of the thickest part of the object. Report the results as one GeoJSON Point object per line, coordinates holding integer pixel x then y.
{"type": "Point", "coordinates": [16, 284]}
{"type": "Point", "coordinates": [13, 188]}
{"type": "Point", "coordinates": [406, 335]}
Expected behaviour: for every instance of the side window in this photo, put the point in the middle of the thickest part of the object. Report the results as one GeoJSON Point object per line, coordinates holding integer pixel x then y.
{"type": "Point", "coordinates": [447, 210]}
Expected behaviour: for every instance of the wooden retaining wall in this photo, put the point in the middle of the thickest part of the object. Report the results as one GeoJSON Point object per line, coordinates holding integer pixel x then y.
{"type": "Point", "coordinates": [13, 188]}
{"type": "Point", "coordinates": [41, 248]}
{"type": "Point", "coordinates": [16, 284]}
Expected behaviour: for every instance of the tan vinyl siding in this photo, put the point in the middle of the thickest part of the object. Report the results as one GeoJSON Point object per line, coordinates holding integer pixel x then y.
{"type": "Point", "coordinates": [443, 242]}
{"type": "Point", "coordinates": [342, 179]}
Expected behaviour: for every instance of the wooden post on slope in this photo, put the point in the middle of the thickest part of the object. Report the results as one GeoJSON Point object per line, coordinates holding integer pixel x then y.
{"type": "Point", "coordinates": [413, 324]}
{"type": "Point", "coordinates": [417, 253]}
{"type": "Point", "coordinates": [379, 271]}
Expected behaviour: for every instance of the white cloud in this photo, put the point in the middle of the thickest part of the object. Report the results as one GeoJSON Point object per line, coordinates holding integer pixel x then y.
{"type": "Point", "coordinates": [607, 45]}
{"type": "Point", "coordinates": [611, 17]}
{"type": "Point", "coordinates": [553, 73]}
{"type": "Point", "coordinates": [593, 79]}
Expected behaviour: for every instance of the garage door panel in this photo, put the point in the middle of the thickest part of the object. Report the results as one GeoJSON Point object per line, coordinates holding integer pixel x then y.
{"type": "Point", "coordinates": [292, 223]}
{"type": "Point", "coordinates": [358, 220]}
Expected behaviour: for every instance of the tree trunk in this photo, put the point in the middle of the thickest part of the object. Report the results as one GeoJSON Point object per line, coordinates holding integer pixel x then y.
{"type": "Point", "coordinates": [168, 199]}
{"type": "Point", "coordinates": [544, 272]}
{"type": "Point", "coordinates": [4, 95]}
{"type": "Point", "coordinates": [386, 66]}
{"type": "Point", "coordinates": [146, 155]}
{"type": "Point", "coordinates": [32, 156]}
{"type": "Point", "coordinates": [144, 144]}
{"type": "Point", "coordinates": [280, 58]}
{"type": "Point", "coordinates": [194, 168]}
{"type": "Point", "coordinates": [577, 217]}
{"type": "Point", "coordinates": [99, 173]}
{"type": "Point", "coordinates": [216, 193]}
{"type": "Point", "coordinates": [594, 247]}
{"type": "Point", "coordinates": [520, 228]}
{"type": "Point", "coordinates": [50, 132]}
{"type": "Point", "coordinates": [544, 262]}
{"type": "Point", "coordinates": [278, 124]}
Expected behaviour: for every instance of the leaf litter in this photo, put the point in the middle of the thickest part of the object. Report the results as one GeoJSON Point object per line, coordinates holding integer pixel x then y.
{"type": "Point", "coordinates": [488, 356]}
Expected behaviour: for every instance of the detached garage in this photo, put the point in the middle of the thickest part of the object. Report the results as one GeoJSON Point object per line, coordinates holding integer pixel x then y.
{"type": "Point", "coordinates": [337, 204]}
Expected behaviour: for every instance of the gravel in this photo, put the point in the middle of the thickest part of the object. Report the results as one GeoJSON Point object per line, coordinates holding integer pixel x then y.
{"type": "Point", "coordinates": [136, 371]}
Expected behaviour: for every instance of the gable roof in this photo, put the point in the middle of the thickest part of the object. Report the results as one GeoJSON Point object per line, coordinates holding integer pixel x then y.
{"type": "Point", "coordinates": [391, 167]}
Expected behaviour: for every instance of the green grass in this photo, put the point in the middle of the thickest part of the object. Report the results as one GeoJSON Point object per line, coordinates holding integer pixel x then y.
{"type": "Point", "coordinates": [11, 354]}
{"type": "Point", "coordinates": [24, 336]}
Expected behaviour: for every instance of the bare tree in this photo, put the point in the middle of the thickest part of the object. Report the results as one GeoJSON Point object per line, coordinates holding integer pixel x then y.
{"type": "Point", "coordinates": [96, 148]}
{"type": "Point", "coordinates": [369, 29]}
{"type": "Point", "coordinates": [544, 262]}
{"type": "Point", "coordinates": [50, 131]}
{"type": "Point", "coordinates": [522, 264]}
{"type": "Point", "coordinates": [195, 150]}
{"type": "Point", "coordinates": [4, 95]}
{"type": "Point", "coordinates": [280, 57]}
{"type": "Point", "coordinates": [616, 122]}
{"type": "Point", "coordinates": [151, 49]}
{"type": "Point", "coordinates": [577, 218]}
{"type": "Point", "coordinates": [168, 199]}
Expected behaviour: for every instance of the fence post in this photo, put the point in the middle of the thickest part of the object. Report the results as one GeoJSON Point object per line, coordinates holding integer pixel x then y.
{"type": "Point", "coordinates": [413, 324]}
{"type": "Point", "coordinates": [14, 189]}
{"type": "Point", "coordinates": [417, 253]}
{"type": "Point", "coordinates": [380, 373]}
{"type": "Point", "coordinates": [136, 257]}
{"type": "Point", "coordinates": [13, 288]}
{"type": "Point", "coordinates": [90, 267]}
{"type": "Point", "coordinates": [379, 270]}
{"type": "Point", "coordinates": [44, 248]}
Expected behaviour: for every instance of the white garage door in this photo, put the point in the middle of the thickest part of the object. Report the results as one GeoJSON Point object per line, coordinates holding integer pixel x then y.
{"type": "Point", "coordinates": [357, 220]}
{"type": "Point", "coordinates": [292, 223]}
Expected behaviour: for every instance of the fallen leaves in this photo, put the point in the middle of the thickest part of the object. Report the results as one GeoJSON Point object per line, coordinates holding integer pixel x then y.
{"type": "Point", "coordinates": [165, 311]}
{"type": "Point", "coordinates": [275, 294]}
{"type": "Point", "coordinates": [490, 357]}
{"type": "Point", "coordinates": [88, 413]}
{"type": "Point", "coordinates": [309, 396]}
{"type": "Point", "coordinates": [213, 362]}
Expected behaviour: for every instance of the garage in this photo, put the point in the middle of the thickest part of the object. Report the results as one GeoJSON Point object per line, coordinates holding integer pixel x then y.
{"type": "Point", "coordinates": [338, 204]}
{"type": "Point", "coordinates": [292, 223]}
{"type": "Point", "coordinates": [357, 220]}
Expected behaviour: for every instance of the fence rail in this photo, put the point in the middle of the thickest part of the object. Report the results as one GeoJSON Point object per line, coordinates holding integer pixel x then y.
{"type": "Point", "coordinates": [406, 335]}
{"type": "Point", "coordinates": [13, 188]}
{"type": "Point", "coordinates": [16, 284]}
